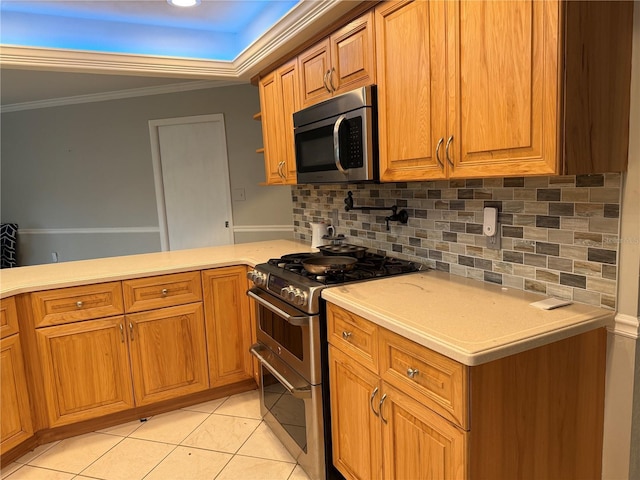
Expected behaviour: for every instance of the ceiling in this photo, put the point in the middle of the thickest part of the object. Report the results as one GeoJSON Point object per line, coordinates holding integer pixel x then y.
{"type": "Point", "coordinates": [116, 45]}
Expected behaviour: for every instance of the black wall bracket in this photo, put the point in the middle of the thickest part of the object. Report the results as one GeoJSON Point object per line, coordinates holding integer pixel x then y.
{"type": "Point", "coordinates": [396, 216]}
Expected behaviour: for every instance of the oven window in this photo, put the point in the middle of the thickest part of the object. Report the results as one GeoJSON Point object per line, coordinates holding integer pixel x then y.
{"type": "Point", "coordinates": [287, 335]}
{"type": "Point", "coordinates": [287, 410]}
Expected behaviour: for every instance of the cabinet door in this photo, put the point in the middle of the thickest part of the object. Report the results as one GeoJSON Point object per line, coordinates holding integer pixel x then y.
{"type": "Point", "coordinates": [353, 55]}
{"type": "Point", "coordinates": [418, 443]}
{"type": "Point", "coordinates": [503, 73]}
{"type": "Point", "coordinates": [16, 425]}
{"type": "Point", "coordinates": [314, 67]}
{"type": "Point", "coordinates": [289, 85]}
{"type": "Point", "coordinates": [228, 325]}
{"type": "Point", "coordinates": [86, 370]}
{"type": "Point", "coordinates": [411, 75]}
{"type": "Point", "coordinates": [168, 353]}
{"type": "Point", "coordinates": [356, 434]}
{"type": "Point", "coordinates": [278, 101]}
{"type": "Point", "coordinates": [271, 108]}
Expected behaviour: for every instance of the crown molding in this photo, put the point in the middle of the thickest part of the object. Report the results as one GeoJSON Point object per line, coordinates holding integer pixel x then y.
{"type": "Point", "coordinates": [36, 58]}
{"type": "Point", "coordinates": [302, 21]}
{"type": "Point", "coordinates": [115, 95]}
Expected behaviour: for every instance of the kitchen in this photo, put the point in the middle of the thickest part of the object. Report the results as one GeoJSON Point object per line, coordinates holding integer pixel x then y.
{"type": "Point", "coordinates": [325, 200]}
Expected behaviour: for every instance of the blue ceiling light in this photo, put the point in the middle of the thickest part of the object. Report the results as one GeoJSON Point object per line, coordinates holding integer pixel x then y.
{"type": "Point", "coordinates": [217, 30]}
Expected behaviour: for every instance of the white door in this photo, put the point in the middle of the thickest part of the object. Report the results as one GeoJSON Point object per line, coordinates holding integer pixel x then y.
{"type": "Point", "coordinates": [192, 181]}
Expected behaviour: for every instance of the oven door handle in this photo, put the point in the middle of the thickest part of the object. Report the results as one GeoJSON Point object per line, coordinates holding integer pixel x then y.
{"type": "Point", "coordinates": [300, 393]}
{"type": "Point", "coordinates": [298, 321]}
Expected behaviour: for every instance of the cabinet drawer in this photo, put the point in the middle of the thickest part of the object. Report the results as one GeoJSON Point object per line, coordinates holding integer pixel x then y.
{"type": "Point", "coordinates": [8, 317]}
{"type": "Point", "coordinates": [65, 305]}
{"type": "Point", "coordinates": [163, 291]}
{"type": "Point", "coordinates": [353, 335]}
{"type": "Point", "coordinates": [435, 380]}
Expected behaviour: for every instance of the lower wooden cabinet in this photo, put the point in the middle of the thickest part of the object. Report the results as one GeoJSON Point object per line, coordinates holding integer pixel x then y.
{"type": "Point", "coordinates": [228, 319]}
{"type": "Point", "coordinates": [16, 425]}
{"type": "Point", "coordinates": [381, 432]}
{"type": "Point", "coordinates": [417, 442]}
{"type": "Point", "coordinates": [168, 353]}
{"type": "Point", "coordinates": [357, 446]}
{"type": "Point", "coordinates": [86, 369]}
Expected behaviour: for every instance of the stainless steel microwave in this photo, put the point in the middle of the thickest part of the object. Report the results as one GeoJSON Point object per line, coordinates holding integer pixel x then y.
{"type": "Point", "coordinates": [337, 140]}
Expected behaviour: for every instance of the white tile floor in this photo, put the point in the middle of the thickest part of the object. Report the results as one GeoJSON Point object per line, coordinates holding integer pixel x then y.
{"type": "Point", "coordinates": [223, 439]}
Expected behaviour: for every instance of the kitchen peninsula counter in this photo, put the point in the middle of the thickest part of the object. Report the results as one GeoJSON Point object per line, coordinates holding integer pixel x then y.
{"type": "Point", "coordinates": [470, 321]}
{"type": "Point", "coordinates": [68, 274]}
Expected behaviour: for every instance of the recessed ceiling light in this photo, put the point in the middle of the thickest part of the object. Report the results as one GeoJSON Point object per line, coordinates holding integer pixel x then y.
{"type": "Point", "coordinates": [183, 3]}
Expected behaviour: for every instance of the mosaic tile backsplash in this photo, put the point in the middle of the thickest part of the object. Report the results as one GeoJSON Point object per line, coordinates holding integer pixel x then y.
{"type": "Point", "coordinates": [560, 235]}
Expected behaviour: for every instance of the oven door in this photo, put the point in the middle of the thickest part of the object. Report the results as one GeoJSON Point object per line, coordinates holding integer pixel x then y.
{"type": "Point", "coordinates": [291, 334]}
{"type": "Point", "coordinates": [292, 408]}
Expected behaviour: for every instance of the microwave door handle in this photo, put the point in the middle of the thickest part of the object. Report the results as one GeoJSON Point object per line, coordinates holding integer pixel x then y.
{"type": "Point", "coordinates": [336, 144]}
{"type": "Point", "coordinates": [298, 321]}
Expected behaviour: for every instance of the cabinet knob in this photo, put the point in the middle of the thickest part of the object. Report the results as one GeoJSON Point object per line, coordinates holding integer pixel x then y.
{"type": "Point", "coordinates": [164, 292]}
{"type": "Point", "coordinates": [346, 335]}
{"type": "Point", "coordinates": [79, 304]}
{"type": "Point", "coordinates": [412, 372]}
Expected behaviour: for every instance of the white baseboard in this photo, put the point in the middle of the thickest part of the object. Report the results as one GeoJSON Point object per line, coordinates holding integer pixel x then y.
{"type": "Point", "coordinates": [75, 231]}
{"type": "Point", "coordinates": [262, 228]}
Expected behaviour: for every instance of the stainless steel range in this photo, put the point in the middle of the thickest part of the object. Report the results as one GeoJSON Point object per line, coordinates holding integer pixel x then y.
{"type": "Point", "coordinates": [292, 346]}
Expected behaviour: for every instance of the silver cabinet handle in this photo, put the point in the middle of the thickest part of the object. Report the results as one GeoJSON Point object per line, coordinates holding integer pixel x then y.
{"type": "Point", "coordinates": [336, 144]}
{"type": "Point", "coordinates": [412, 372]}
{"type": "Point", "coordinates": [79, 304]}
{"type": "Point", "coordinates": [373, 395]}
{"type": "Point", "coordinates": [384, 397]}
{"type": "Point", "coordinates": [121, 332]}
{"type": "Point", "coordinates": [333, 89]}
{"type": "Point", "coordinates": [131, 330]}
{"type": "Point", "coordinates": [440, 142]}
{"type": "Point", "coordinates": [346, 335]}
{"type": "Point", "coordinates": [324, 81]}
{"type": "Point", "coordinates": [281, 170]}
{"type": "Point", "coordinates": [164, 292]}
{"type": "Point", "coordinates": [446, 151]}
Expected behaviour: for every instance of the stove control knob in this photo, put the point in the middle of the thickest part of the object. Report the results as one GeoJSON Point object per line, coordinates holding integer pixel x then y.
{"type": "Point", "coordinates": [259, 278]}
{"type": "Point", "coordinates": [300, 298]}
{"type": "Point", "coordinates": [291, 293]}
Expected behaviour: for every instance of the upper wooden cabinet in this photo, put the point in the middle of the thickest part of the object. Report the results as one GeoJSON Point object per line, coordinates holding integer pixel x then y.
{"type": "Point", "coordinates": [279, 99]}
{"type": "Point", "coordinates": [339, 63]}
{"type": "Point", "coordinates": [484, 93]}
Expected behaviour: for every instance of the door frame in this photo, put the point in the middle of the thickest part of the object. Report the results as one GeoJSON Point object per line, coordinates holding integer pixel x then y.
{"type": "Point", "coordinates": [157, 169]}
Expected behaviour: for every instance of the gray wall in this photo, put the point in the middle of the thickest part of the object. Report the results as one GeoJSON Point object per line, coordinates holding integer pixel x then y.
{"type": "Point", "coordinates": [71, 172]}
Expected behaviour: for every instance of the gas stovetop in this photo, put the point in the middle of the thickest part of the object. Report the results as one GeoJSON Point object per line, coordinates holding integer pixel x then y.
{"type": "Point", "coordinates": [286, 277]}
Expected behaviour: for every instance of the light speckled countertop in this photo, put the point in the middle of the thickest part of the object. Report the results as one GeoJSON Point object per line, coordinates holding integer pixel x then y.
{"type": "Point", "coordinates": [57, 275]}
{"type": "Point", "coordinates": [467, 320]}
